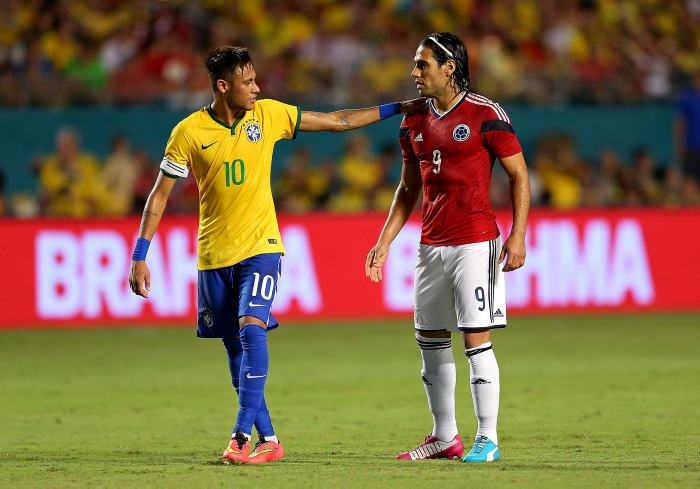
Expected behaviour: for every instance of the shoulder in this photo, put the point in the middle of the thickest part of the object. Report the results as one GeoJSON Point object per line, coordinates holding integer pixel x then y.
{"type": "Point", "coordinates": [192, 122]}
{"type": "Point", "coordinates": [487, 108]}
{"type": "Point", "coordinates": [186, 123]}
{"type": "Point", "coordinates": [270, 104]}
{"type": "Point", "coordinates": [413, 120]}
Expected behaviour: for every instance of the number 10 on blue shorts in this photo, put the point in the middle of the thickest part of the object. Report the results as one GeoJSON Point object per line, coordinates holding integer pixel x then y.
{"type": "Point", "coordinates": [245, 289]}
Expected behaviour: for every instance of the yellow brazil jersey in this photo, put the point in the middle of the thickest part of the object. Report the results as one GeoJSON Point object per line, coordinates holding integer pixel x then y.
{"type": "Point", "coordinates": [232, 167]}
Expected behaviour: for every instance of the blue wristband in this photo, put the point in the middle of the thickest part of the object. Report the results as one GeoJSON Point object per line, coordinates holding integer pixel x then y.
{"type": "Point", "coordinates": [389, 110]}
{"type": "Point", "coordinates": [140, 249]}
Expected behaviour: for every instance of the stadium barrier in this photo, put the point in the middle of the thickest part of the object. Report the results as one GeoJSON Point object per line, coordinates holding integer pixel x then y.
{"type": "Point", "coordinates": [74, 273]}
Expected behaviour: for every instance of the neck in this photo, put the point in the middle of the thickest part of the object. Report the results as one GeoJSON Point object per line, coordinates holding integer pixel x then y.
{"type": "Point", "coordinates": [447, 100]}
{"type": "Point", "coordinates": [225, 112]}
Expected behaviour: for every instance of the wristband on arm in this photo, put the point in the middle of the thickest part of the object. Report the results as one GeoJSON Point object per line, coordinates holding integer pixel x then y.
{"type": "Point", "coordinates": [389, 110]}
{"type": "Point", "coordinates": [140, 249]}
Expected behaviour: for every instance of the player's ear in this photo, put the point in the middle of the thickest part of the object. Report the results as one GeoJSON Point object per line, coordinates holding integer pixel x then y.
{"type": "Point", "coordinates": [221, 85]}
{"type": "Point", "coordinates": [449, 67]}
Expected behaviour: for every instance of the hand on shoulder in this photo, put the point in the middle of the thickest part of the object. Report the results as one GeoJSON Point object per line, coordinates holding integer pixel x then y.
{"type": "Point", "coordinates": [409, 107]}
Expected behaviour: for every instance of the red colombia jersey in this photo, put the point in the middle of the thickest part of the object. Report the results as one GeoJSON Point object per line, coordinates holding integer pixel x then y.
{"type": "Point", "coordinates": [456, 152]}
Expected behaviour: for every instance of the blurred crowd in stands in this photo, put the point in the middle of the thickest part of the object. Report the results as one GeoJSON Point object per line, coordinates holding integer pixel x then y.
{"type": "Point", "coordinates": [61, 53]}
{"type": "Point", "coordinates": [74, 183]}
{"type": "Point", "coordinates": [68, 52]}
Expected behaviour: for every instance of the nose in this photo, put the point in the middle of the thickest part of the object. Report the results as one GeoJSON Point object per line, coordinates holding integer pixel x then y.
{"type": "Point", "coordinates": [256, 88]}
{"type": "Point", "coordinates": [416, 72]}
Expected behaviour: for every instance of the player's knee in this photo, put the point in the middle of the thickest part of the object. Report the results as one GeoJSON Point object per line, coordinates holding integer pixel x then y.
{"type": "Point", "coordinates": [475, 338]}
{"type": "Point", "coordinates": [244, 321]}
{"type": "Point", "coordinates": [427, 333]}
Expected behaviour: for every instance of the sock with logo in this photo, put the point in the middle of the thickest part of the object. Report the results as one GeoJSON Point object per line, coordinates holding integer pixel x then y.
{"type": "Point", "coordinates": [263, 422]}
{"type": "Point", "coordinates": [252, 377]}
{"type": "Point", "coordinates": [439, 377]}
{"type": "Point", "coordinates": [485, 386]}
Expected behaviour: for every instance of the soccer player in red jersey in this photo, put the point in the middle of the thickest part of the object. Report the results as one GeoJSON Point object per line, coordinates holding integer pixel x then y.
{"type": "Point", "coordinates": [449, 152]}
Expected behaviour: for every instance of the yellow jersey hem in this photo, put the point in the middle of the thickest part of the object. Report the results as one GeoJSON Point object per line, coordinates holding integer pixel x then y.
{"type": "Point", "coordinates": [235, 260]}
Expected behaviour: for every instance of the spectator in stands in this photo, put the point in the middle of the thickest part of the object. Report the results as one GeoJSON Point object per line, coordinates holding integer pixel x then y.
{"type": "Point", "coordinates": [119, 177]}
{"type": "Point", "coordinates": [389, 164]}
{"type": "Point", "coordinates": [690, 193]}
{"type": "Point", "coordinates": [69, 179]}
{"type": "Point", "coordinates": [359, 173]}
{"type": "Point", "coordinates": [87, 69]}
{"type": "Point", "coordinates": [302, 187]}
{"type": "Point", "coordinates": [602, 187]}
{"type": "Point", "coordinates": [672, 187]}
{"type": "Point", "coordinates": [688, 128]}
{"type": "Point", "coordinates": [646, 185]}
{"type": "Point", "coordinates": [146, 170]}
{"type": "Point", "coordinates": [560, 170]}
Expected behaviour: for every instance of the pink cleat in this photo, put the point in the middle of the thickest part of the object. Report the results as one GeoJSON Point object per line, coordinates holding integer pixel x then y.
{"type": "Point", "coordinates": [433, 448]}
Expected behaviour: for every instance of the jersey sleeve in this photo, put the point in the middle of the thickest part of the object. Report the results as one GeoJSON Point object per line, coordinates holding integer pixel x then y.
{"type": "Point", "coordinates": [177, 159]}
{"type": "Point", "coordinates": [499, 137]}
{"type": "Point", "coordinates": [285, 119]}
{"type": "Point", "coordinates": [407, 153]}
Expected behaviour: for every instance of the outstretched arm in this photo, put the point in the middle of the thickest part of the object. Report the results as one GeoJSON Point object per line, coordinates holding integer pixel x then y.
{"type": "Point", "coordinates": [514, 246]}
{"type": "Point", "coordinates": [345, 120]}
{"type": "Point", "coordinates": [140, 276]}
{"type": "Point", "coordinates": [404, 202]}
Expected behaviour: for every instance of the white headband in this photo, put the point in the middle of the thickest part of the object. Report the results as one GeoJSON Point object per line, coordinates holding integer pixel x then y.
{"type": "Point", "coordinates": [449, 53]}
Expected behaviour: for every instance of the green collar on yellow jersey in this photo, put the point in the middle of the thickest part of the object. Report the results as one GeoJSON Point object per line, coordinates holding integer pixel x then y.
{"type": "Point", "coordinates": [219, 121]}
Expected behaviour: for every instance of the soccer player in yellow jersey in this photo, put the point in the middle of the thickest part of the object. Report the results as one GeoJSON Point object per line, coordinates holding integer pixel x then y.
{"type": "Point", "coordinates": [228, 147]}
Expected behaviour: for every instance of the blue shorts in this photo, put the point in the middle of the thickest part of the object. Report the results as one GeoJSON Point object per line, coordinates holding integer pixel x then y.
{"type": "Point", "coordinates": [244, 289]}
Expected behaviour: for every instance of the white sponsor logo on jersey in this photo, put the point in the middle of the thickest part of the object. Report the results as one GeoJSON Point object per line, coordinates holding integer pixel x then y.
{"type": "Point", "coordinates": [418, 138]}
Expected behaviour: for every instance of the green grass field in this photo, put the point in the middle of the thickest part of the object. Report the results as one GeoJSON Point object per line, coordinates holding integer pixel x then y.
{"type": "Point", "coordinates": [593, 401]}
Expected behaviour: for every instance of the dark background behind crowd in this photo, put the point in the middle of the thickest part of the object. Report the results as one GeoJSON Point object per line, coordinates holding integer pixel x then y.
{"type": "Point", "coordinates": [99, 53]}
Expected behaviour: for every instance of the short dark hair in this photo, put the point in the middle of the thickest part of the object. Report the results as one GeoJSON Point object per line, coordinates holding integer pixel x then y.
{"type": "Point", "coordinates": [442, 42]}
{"type": "Point", "coordinates": [225, 60]}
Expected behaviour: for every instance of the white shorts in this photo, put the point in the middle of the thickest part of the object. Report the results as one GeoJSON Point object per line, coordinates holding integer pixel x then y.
{"type": "Point", "coordinates": [459, 288]}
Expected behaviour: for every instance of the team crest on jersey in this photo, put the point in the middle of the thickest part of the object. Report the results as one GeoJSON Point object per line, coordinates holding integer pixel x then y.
{"type": "Point", "coordinates": [461, 133]}
{"type": "Point", "coordinates": [253, 131]}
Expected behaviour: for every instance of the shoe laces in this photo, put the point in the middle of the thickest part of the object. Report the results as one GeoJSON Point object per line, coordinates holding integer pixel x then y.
{"type": "Point", "coordinates": [240, 439]}
{"type": "Point", "coordinates": [260, 441]}
{"type": "Point", "coordinates": [480, 443]}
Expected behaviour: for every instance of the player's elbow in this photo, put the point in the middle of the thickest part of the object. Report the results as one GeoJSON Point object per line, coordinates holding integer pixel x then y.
{"type": "Point", "coordinates": [157, 200]}
{"type": "Point", "coordinates": [518, 173]}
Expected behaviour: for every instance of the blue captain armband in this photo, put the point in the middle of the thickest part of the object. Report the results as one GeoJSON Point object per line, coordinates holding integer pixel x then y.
{"type": "Point", "coordinates": [140, 249]}
{"type": "Point", "coordinates": [389, 110]}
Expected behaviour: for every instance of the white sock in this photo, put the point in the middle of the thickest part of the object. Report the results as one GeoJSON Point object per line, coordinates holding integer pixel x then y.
{"type": "Point", "coordinates": [439, 377]}
{"type": "Point", "coordinates": [485, 385]}
{"type": "Point", "coordinates": [271, 438]}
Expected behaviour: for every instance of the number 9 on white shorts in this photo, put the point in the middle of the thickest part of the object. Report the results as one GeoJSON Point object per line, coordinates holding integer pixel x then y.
{"type": "Point", "coordinates": [460, 288]}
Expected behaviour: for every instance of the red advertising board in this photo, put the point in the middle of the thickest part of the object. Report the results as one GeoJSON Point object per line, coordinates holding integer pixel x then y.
{"type": "Point", "coordinates": [74, 273]}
